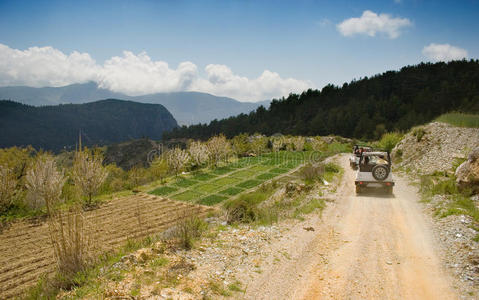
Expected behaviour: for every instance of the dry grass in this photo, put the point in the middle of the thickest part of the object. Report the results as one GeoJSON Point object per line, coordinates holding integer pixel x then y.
{"type": "Point", "coordinates": [72, 243]}
{"type": "Point", "coordinates": [188, 229]}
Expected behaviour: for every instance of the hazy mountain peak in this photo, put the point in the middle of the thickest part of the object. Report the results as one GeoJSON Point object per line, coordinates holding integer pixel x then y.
{"type": "Point", "coordinates": [186, 107]}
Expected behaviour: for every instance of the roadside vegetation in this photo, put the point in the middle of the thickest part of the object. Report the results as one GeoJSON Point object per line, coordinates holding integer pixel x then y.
{"type": "Point", "coordinates": [460, 119]}
{"type": "Point", "coordinates": [154, 261]}
{"type": "Point", "coordinates": [241, 176]}
{"type": "Point", "coordinates": [453, 200]}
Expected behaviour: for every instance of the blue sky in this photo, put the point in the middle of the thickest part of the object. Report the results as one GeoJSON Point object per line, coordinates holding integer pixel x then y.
{"type": "Point", "coordinates": [298, 40]}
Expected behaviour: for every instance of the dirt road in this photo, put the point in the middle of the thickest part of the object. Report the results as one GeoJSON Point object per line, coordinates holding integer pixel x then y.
{"type": "Point", "coordinates": [365, 247]}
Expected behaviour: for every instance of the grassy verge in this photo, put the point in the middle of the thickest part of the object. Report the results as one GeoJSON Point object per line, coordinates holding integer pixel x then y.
{"type": "Point", "coordinates": [460, 119]}
{"type": "Point", "coordinates": [457, 202]}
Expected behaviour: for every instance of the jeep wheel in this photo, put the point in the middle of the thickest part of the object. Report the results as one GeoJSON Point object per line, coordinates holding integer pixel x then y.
{"type": "Point", "coordinates": [380, 172]}
{"type": "Point", "coordinates": [358, 189]}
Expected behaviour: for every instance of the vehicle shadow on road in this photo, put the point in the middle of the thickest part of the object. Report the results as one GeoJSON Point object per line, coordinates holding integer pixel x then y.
{"type": "Point", "coordinates": [375, 193]}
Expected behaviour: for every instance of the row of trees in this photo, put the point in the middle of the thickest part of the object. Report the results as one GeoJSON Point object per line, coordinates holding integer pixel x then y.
{"type": "Point", "coordinates": [364, 109]}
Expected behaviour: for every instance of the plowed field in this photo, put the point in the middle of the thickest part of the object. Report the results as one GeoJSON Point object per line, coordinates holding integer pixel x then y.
{"type": "Point", "coordinates": [26, 251]}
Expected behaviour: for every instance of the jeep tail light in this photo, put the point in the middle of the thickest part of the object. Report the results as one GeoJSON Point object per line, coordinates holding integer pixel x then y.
{"type": "Point", "coordinates": [388, 183]}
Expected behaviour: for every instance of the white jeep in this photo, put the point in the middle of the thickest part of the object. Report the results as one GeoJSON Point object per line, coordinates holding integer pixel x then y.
{"type": "Point", "coordinates": [374, 171]}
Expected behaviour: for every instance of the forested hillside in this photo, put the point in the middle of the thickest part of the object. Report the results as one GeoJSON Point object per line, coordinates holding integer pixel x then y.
{"type": "Point", "coordinates": [366, 108]}
{"type": "Point", "coordinates": [101, 122]}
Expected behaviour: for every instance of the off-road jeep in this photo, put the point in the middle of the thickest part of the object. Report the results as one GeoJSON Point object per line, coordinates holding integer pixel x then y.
{"type": "Point", "coordinates": [354, 158]}
{"type": "Point", "coordinates": [374, 171]}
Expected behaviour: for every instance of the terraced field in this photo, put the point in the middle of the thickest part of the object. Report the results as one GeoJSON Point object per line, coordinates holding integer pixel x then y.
{"type": "Point", "coordinates": [217, 185]}
{"type": "Point", "coordinates": [26, 251]}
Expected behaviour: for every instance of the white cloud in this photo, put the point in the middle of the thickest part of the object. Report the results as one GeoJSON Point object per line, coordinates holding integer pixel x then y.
{"type": "Point", "coordinates": [222, 81]}
{"type": "Point", "coordinates": [443, 52]}
{"type": "Point", "coordinates": [136, 74]}
{"type": "Point", "coordinates": [44, 66]}
{"type": "Point", "coordinates": [371, 23]}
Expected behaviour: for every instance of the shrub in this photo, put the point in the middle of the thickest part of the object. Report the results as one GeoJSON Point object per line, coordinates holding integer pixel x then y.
{"type": "Point", "coordinates": [332, 168]}
{"type": "Point", "coordinates": [177, 159]}
{"type": "Point", "coordinates": [44, 182]}
{"type": "Point", "coordinates": [244, 208]}
{"type": "Point", "coordinates": [419, 133]}
{"type": "Point", "coordinates": [159, 168]}
{"type": "Point", "coordinates": [219, 148]}
{"type": "Point", "coordinates": [88, 172]}
{"type": "Point", "coordinates": [399, 153]}
{"type": "Point", "coordinates": [71, 242]}
{"type": "Point", "coordinates": [8, 183]}
{"type": "Point", "coordinates": [389, 140]}
{"type": "Point", "coordinates": [188, 230]}
{"type": "Point", "coordinates": [298, 143]}
{"type": "Point", "coordinates": [199, 153]}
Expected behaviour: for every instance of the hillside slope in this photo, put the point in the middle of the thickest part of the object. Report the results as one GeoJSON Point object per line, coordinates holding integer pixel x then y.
{"type": "Point", "coordinates": [394, 100]}
{"type": "Point", "coordinates": [435, 147]}
{"type": "Point", "coordinates": [186, 107]}
{"type": "Point", "coordinates": [102, 122]}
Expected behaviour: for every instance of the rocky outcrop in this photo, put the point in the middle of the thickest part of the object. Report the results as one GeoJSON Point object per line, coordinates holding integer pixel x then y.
{"type": "Point", "coordinates": [467, 174]}
{"type": "Point", "coordinates": [434, 147]}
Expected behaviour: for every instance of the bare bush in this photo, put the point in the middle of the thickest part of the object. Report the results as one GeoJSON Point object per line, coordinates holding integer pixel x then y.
{"type": "Point", "coordinates": [278, 143]}
{"type": "Point", "coordinates": [44, 183]}
{"type": "Point", "coordinates": [243, 209]}
{"type": "Point", "coordinates": [177, 159]}
{"type": "Point", "coordinates": [8, 182]}
{"type": "Point", "coordinates": [219, 148]}
{"type": "Point", "coordinates": [258, 144]}
{"type": "Point", "coordinates": [298, 143]}
{"type": "Point", "coordinates": [71, 241]}
{"type": "Point", "coordinates": [199, 153]}
{"type": "Point", "coordinates": [88, 173]}
{"type": "Point", "coordinates": [188, 229]}
{"type": "Point", "coordinates": [316, 144]}
{"type": "Point", "coordinates": [288, 142]}
{"type": "Point", "coordinates": [66, 229]}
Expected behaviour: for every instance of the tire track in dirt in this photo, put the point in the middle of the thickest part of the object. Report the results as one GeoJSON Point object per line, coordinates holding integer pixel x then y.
{"type": "Point", "coordinates": [370, 246]}
{"type": "Point", "coordinates": [26, 252]}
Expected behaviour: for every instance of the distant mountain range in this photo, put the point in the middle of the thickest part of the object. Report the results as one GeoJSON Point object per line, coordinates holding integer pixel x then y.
{"type": "Point", "coordinates": [101, 123]}
{"type": "Point", "coordinates": [187, 107]}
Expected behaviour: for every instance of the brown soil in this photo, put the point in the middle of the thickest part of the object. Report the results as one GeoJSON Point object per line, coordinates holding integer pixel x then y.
{"type": "Point", "coordinates": [26, 251]}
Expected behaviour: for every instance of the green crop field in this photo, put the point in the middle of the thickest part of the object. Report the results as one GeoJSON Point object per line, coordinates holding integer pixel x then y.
{"type": "Point", "coordinates": [212, 186]}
